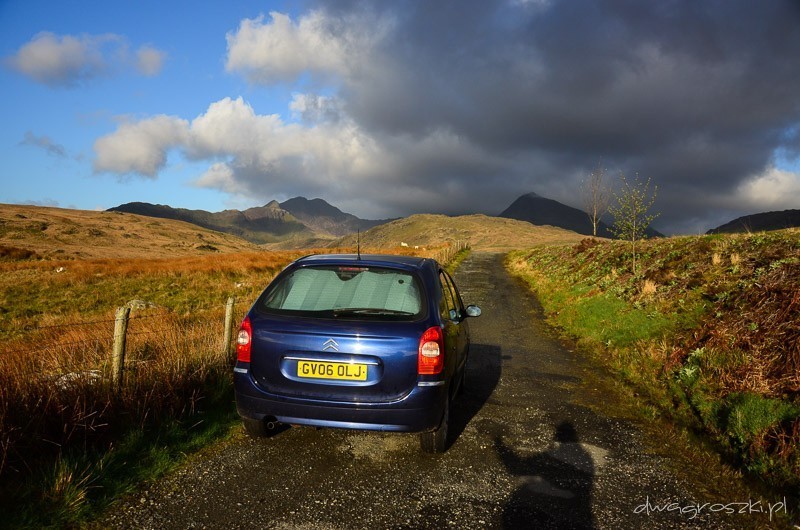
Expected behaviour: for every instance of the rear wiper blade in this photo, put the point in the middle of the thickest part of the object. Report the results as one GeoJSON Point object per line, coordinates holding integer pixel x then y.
{"type": "Point", "coordinates": [372, 311]}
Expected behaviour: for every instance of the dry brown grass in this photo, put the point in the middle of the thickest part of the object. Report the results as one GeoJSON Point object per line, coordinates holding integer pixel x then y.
{"type": "Point", "coordinates": [55, 373]}
{"type": "Point", "coordinates": [765, 324]}
{"type": "Point", "coordinates": [55, 387]}
{"type": "Point", "coordinates": [649, 288]}
{"type": "Point", "coordinates": [57, 391]}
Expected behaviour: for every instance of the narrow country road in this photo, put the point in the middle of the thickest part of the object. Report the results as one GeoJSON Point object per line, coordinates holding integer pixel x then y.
{"type": "Point", "coordinates": [528, 452]}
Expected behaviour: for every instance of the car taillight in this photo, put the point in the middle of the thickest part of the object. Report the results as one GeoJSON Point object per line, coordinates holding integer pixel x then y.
{"type": "Point", "coordinates": [243, 341]}
{"type": "Point", "coordinates": [431, 352]}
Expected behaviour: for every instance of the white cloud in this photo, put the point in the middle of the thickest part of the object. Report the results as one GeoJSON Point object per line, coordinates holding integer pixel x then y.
{"type": "Point", "coordinates": [265, 151]}
{"type": "Point", "coordinates": [774, 189]}
{"type": "Point", "coordinates": [222, 177]}
{"type": "Point", "coordinates": [264, 157]}
{"type": "Point", "coordinates": [69, 60]}
{"type": "Point", "coordinates": [312, 108]}
{"type": "Point", "coordinates": [282, 49]}
{"type": "Point", "coordinates": [231, 126]}
{"type": "Point", "coordinates": [140, 147]}
{"type": "Point", "coordinates": [150, 60]}
{"type": "Point", "coordinates": [62, 60]}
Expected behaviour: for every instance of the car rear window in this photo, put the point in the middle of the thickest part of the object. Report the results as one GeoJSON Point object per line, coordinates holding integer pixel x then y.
{"type": "Point", "coordinates": [349, 292]}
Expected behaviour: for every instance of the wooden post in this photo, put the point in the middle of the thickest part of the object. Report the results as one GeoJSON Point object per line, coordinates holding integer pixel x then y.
{"type": "Point", "coordinates": [120, 332]}
{"type": "Point", "coordinates": [228, 325]}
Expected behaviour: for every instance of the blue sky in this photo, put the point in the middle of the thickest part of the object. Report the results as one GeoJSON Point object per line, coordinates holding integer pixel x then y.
{"type": "Point", "coordinates": [392, 108]}
{"type": "Point", "coordinates": [192, 37]}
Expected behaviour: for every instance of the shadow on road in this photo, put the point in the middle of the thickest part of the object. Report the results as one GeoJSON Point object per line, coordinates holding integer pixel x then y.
{"type": "Point", "coordinates": [483, 374]}
{"type": "Point", "coordinates": [554, 487]}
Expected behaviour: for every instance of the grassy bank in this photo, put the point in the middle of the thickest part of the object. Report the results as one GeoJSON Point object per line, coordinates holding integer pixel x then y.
{"type": "Point", "coordinates": [708, 333]}
{"type": "Point", "coordinates": [71, 440]}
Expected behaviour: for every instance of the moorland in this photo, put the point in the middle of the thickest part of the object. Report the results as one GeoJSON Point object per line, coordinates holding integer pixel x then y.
{"type": "Point", "coordinates": [706, 334]}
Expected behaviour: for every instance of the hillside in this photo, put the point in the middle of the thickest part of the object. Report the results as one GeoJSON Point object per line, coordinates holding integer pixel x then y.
{"type": "Point", "coordinates": [56, 233]}
{"type": "Point", "coordinates": [480, 231]}
{"type": "Point", "coordinates": [760, 222]}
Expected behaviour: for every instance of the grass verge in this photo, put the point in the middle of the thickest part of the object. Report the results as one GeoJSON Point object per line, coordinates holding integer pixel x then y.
{"type": "Point", "coordinates": [707, 333]}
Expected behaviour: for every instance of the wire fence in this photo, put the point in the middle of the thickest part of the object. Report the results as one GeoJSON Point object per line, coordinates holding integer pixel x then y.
{"type": "Point", "coordinates": [38, 339]}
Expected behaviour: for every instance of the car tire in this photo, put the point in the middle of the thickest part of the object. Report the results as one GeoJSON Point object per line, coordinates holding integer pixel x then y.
{"type": "Point", "coordinates": [435, 441]}
{"type": "Point", "coordinates": [255, 428]}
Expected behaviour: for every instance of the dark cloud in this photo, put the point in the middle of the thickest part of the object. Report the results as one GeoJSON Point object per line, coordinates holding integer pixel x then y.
{"type": "Point", "coordinates": [696, 95]}
{"type": "Point", "coordinates": [461, 106]}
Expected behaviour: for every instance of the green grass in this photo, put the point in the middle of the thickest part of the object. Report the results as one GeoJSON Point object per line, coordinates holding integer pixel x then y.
{"type": "Point", "coordinates": [607, 320]}
{"type": "Point", "coordinates": [746, 416]}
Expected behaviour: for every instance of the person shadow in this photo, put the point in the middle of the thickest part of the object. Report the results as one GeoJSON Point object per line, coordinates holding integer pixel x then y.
{"type": "Point", "coordinates": [554, 487]}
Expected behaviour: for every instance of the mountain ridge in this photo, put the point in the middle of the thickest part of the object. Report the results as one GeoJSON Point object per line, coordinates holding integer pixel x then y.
{"type": "Point", "coordinates": [323, 217]}
{"type": "Point", "coordinates": [258, 225]}
{"type": "Point", "coordinates": [775, 220]}
{"type": "Point", "coordinates": [541, 211]}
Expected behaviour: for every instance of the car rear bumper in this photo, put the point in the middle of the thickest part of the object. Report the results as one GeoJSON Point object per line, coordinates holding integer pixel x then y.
{"type": "Point", "coordinates": [420, 410]}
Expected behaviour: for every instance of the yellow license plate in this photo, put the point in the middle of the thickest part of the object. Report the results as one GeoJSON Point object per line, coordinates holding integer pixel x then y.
{"type": "Point", "coordinates": [340, 371]}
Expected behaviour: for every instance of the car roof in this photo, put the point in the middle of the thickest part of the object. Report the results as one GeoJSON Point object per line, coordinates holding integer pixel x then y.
{"type": "Point", "coordinates": [387, 260]}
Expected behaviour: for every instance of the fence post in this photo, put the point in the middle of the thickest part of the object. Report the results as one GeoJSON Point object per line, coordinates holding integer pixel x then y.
{"type": "Point", "coordinates": [120, 333]}
{"type": "Point", "coordinates": [228, 325]}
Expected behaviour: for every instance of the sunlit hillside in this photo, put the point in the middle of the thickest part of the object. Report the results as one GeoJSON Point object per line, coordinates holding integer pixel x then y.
{"type": "Point", "coordinates": [480, 231]}
{"type": "Point", "coordinates": [57, 233]}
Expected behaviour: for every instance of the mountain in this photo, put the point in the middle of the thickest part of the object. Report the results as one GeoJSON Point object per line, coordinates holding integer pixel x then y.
{"type": "Point", "coordinates": [323, 218]}
{"type": "Point", "coordinates": [540, 211]}
{"type": "Point", "coordinates": [760, 222]}
{"type": "Point", "coordinates": [297, 219]}
{"type": "Point", "coordinates": [263, 224]}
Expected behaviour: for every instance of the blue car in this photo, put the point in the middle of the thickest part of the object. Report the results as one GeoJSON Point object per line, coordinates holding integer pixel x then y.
{"type": "Point", "coordinates": [366, 342]}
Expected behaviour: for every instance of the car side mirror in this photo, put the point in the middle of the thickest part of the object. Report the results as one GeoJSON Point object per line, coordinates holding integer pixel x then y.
{"type": "Point", "coordinates": [473, 311]}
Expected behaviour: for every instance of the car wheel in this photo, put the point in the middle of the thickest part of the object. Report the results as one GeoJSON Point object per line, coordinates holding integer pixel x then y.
{"type": "Point", "coordinates": [436, 441]}
{"type": "Point", "coordinates": [255, 428]}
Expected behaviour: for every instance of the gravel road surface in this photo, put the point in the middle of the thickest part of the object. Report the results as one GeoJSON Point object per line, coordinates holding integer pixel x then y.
{"type": "Point", "coordinates": [533, 448]}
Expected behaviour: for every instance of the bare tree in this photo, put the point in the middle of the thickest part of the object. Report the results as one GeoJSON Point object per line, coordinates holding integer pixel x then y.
{"type": "Point", "coordinates": [632, 212]}
{"type": "Point", "coordinates": [596, 196]}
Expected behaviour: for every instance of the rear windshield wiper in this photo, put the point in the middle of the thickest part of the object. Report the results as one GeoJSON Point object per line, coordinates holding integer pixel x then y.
{"type": "Point", "coordinates": [370, 311]}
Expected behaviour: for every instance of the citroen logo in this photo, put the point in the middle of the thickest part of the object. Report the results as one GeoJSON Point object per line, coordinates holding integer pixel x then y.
{"type": "Point", "coordinates": [330, 345]}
